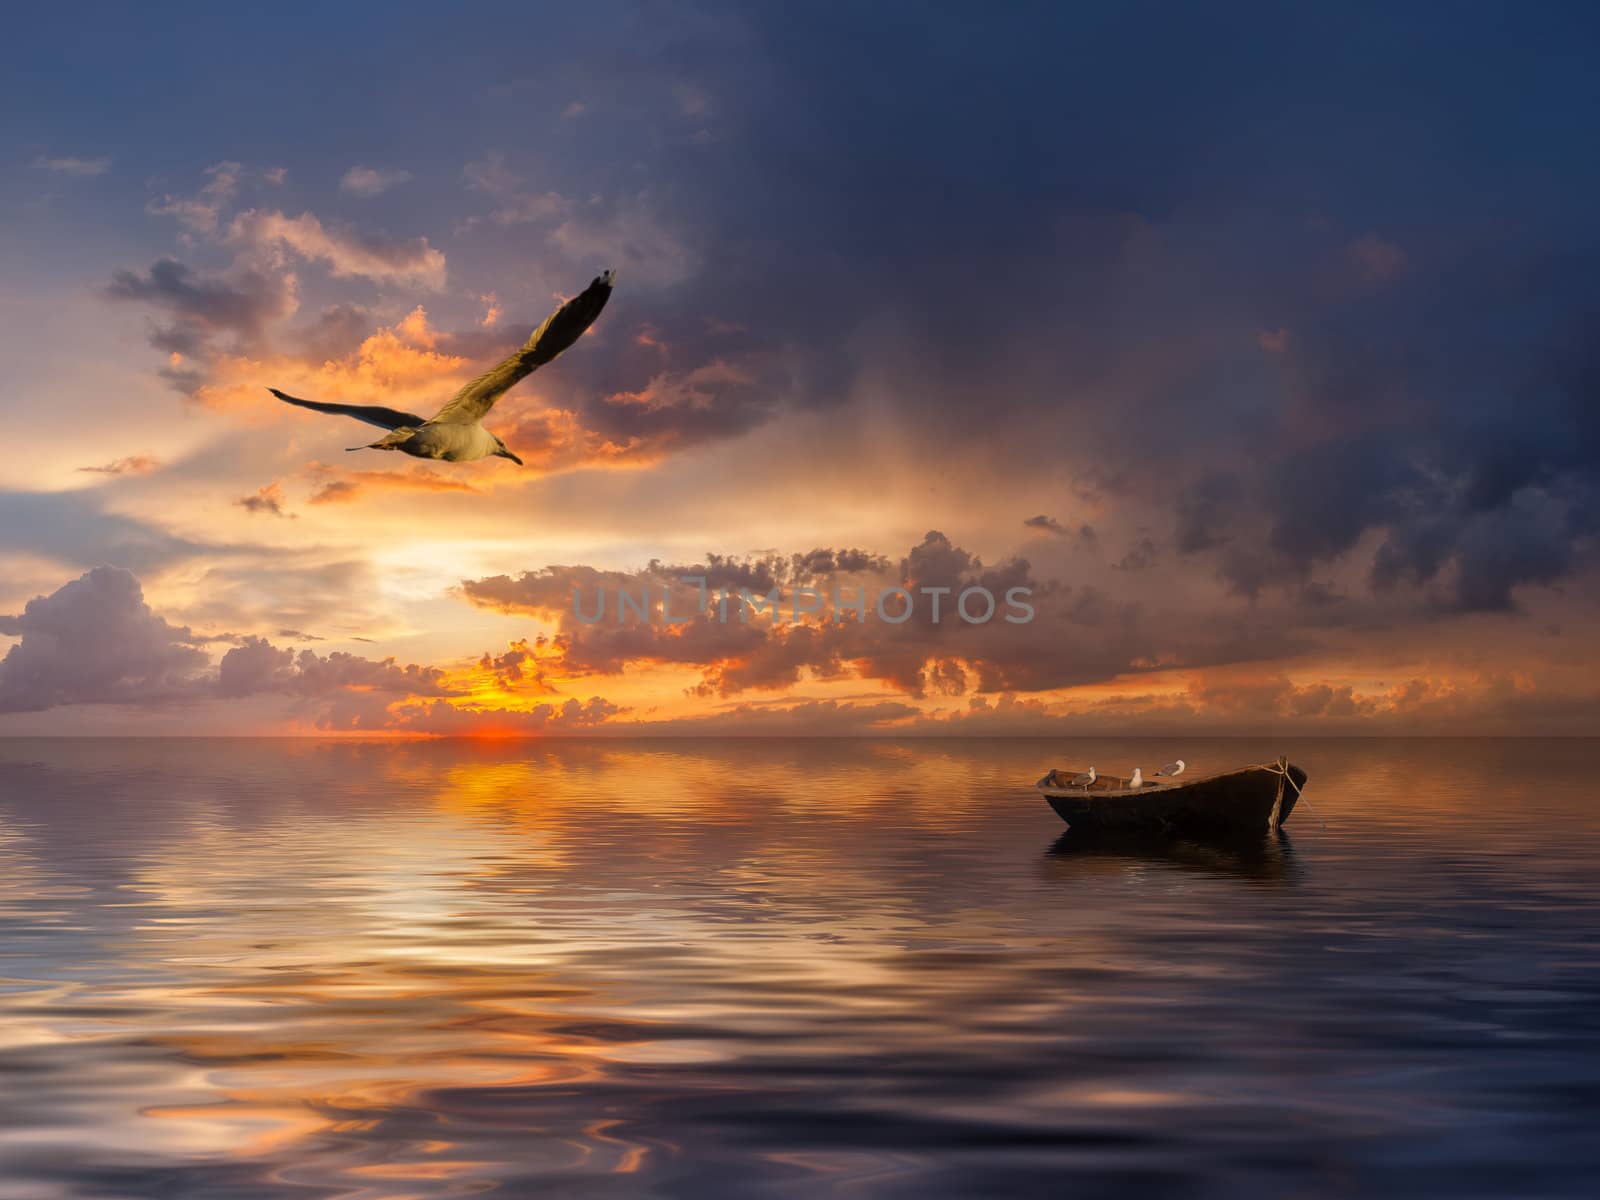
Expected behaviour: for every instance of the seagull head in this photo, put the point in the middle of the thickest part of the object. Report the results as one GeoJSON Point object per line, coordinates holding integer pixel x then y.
{"type": "Point", "coordinates": [502, 452]}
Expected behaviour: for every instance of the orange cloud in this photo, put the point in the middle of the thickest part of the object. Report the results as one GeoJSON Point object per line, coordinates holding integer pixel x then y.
{"type": "Point", "coordinates": [554, 439]}
{"type": "Point", "coordinates": [390, 366]}
{"type": "Point", "coordinates": [340, 487]}
{"type": "Point", "coordinates": [134, 464]}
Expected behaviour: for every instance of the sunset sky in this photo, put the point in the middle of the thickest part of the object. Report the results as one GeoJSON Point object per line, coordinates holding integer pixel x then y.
{"type": "Point", "coordinates": [1260, 344]}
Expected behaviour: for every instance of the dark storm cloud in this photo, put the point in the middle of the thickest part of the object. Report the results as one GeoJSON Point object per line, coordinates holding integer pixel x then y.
{"type": "Point", "coordinates": [1275, 338]}
{"type": "Point", "coordinates": [1466, 438]}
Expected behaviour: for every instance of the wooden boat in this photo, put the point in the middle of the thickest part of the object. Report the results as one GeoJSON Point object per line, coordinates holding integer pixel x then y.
{"type": "Point", "coordinates": [1255, 797]}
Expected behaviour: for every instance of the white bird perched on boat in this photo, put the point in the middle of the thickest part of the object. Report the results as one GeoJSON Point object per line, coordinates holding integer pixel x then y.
{"type": "Point", "coordinates": [455, 433]}
{"type": "Point", "coordinates": [1083, 779]}
{"type": "Point", "coordinates": [1138, 778]}
{"type": "Point", "coordinates": [1171, 771]}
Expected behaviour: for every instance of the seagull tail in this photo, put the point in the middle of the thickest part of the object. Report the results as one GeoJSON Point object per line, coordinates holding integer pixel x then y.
{"type": "Point", "coordinates": [390, 441]}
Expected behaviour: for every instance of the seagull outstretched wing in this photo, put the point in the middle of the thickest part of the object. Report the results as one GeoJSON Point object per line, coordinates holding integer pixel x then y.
{"type": "Point", "coordinates": [372, 414]}
{"type": "Point", "coordinates": [560, 329]}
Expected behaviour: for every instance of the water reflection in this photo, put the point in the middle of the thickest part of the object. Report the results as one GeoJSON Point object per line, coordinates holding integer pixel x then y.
{"type": "Point", "coordinates": [787, 969]}
{"type": "Point", "coordinates": [1266, 857]}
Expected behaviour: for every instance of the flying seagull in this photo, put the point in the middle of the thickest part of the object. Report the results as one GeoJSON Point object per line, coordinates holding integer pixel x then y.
{"type": "Point", "coordinates": [1172, 770]}
{"type": "Point", "coordinates": [455, 433]}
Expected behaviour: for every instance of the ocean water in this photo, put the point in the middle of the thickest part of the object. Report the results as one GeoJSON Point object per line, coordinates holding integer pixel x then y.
{"type": "Point", "coordinates": [788, 969]}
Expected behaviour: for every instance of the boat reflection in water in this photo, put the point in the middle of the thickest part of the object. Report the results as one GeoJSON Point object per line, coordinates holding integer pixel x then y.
{"type": "Point", "coordinates": [1265, 858]}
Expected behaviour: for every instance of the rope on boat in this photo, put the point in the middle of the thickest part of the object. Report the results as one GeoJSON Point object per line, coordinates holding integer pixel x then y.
{"type": "Point", "coordinates": [1281, 769]}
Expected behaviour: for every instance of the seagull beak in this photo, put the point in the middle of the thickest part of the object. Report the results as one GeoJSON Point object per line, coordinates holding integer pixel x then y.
{"type": "Point", "coordinates": [504, 453]}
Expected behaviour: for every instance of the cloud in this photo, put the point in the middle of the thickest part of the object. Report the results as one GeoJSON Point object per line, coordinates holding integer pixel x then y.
{"type": "Point", "coordinates": [341, 487]}
{"type": "Point", "coordinates": [1080, 635]}
{"type": "Point", "coordinates": [76, 528]}
{"type": "Point", "coordinates": [316, 589]}
{"type": "Point", "coordinates": [789, 718]}
{"type": "Point", "coordinates": [630, 235]}
{"type": "Point", "coordinates": [134, 464]}
{"type": "Point", "coordinates": [1084, 535]}
{"type": "Point", "coordinates": [370, 181]}
{"type": "Point", "coordinates": [242, 304]}
{"type": "Point", "coordinates": [444, 718]}
{"type": "Point", "coordinates": [82, 168]}
{"type": "Point", "coordinates": [412, 364]}
{"type": "Point", "coordinates": [1140, 556]}
{"type": "Point", "coordinates": [531, 208]}
{"type": "Point", "coordinates": [491, 174]}
{"type": "Point", "coordinates": [94, 641]}
{"type": "Point", "coordinates": [717, 400]}
{"type": "Point", "coordinates": [347, 254]}
{"type": "Point", "coordinates": [337, 331]}
{"type": "Point", "coordinates": [395, 365]}
{"type": "Point", "coordinates": [202, 213]}
{"type": "Point", "coordinates": [268, 499]}
{"type": "Point", "coordinates": [256, 666]}
{"type": "Point", "coordinates": [1226, 382]}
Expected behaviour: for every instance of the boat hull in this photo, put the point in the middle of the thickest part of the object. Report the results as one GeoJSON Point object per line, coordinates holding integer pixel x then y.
{"type": "Point", "coordinates": [1252, 798]}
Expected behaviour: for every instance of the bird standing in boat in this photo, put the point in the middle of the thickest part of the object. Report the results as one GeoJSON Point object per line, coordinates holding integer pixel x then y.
{"type": "Point", "coordinates": [1171, 771]}
{"type": "Point", "coordinates": [1083, 779]}
{"type": "Point", "coordinates": [1138, 778]}
{"type": "Point", "coordinates": [455, 433]}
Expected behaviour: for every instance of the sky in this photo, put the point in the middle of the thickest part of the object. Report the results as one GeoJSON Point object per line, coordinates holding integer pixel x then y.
{"type": "Point", "coordinates": [1256, 345]}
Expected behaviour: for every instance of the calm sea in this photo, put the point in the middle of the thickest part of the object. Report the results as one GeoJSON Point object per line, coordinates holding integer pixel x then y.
{"type": "Point", "coordinates": [788, 969]}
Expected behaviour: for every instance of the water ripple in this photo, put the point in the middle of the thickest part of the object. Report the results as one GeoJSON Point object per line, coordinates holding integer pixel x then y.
{"type": "Point", "coordinates": [746, 969]}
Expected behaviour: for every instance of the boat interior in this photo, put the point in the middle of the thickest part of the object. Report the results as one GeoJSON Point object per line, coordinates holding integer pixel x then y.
{"type": "Point", "coordinates": [1062, 777]}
